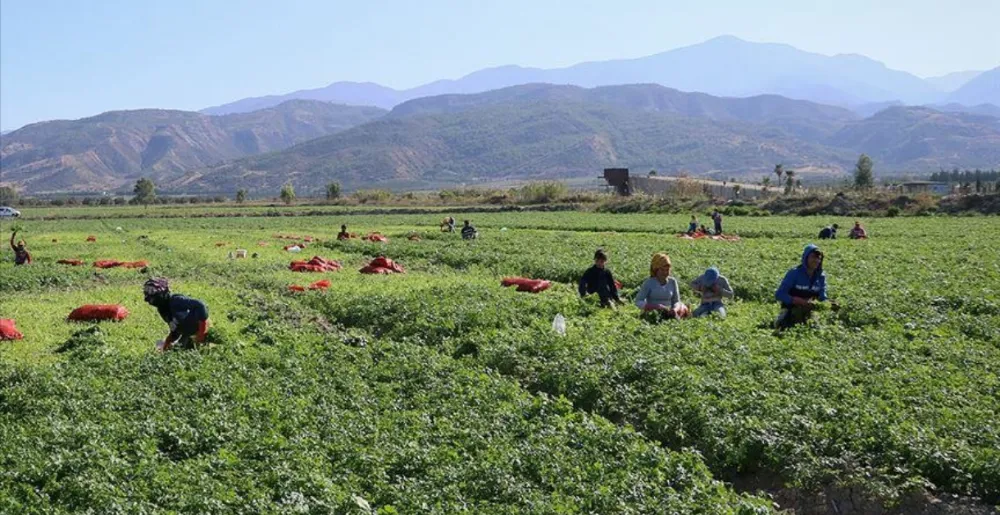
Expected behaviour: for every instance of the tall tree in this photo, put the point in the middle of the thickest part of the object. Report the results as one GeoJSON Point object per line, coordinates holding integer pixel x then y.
{"type": "Point", "coordinates": [8, 195]}
{"type": "Point", "coordinates": [333, 191]}
{"type": "Point", "coordinates": [790, 174]}
{"type": "Point", "coordinates": [287, 193]}
{"type": "Point", "coordinates": [241, 196]}
{"type": "Point", "coordinates": [145, 191]}
{"type": "Point", "coordinates": [864, 178]}
{"type": "Point", "coordinates": [779, 170]}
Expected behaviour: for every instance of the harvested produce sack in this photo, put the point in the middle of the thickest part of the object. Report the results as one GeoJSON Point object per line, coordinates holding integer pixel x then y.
{"type": "Point", "coordinates": [8, 331]}
{"type": "Point", "coordinates": [318, 285]}
{"type": "Point", "coordinates": [525, 284]}
{"type": "Point", "coordinates": [114, 263]}
{"type": "Point", "coordinates": [71, 262]}
{"type": "Point", "coordinates": [296, 287]}
{"type": "Point", "coordinates": [94, 312]}
{"type": "Point", "coordinates": [316, 264]}
{"type": "Point", "coordinates": [91, 238]}
{"type": "Point", "coordinates": [383, 265]}
{"type": "Point", "coordinates": [376, 237]}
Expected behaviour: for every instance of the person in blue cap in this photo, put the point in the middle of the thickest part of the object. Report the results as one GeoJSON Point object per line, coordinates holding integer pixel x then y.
{"type": "Point", "coordinates": [713, 287]}
{"type": "Point", "coordinates": [801, 289]}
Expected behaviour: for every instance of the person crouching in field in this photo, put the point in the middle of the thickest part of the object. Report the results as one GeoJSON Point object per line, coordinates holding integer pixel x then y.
{"type": "Point", "coordinates": [469, 232]}
{"type": "Point", "coordinates": [343, 234]}
{"type": "Point", "coordinates": [598, 279]}
{"type": "Point", "coordinates": [858, 232]}
{"type": "Point", "coordinates": [660, 293]}
{"type": "Point", "coordinates": [829, 232]}
{"type": "Point", "coordinates": [712, 287]}
{"type": "Point", "coordinates": [187, 317]}
{"type": "Point", "coordinates": [801, 289]}
{"type": "Point", "coordinates": [21, 254]}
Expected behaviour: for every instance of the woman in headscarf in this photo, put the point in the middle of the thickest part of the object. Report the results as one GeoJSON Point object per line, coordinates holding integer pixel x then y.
{"type": "Point", "coordinates": [660, 292]}
{"type": "Point", "coordinates": [187, 317]}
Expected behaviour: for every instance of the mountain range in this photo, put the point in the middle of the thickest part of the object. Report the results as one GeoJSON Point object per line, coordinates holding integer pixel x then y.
{"type": "Point", "coordinates": [723, 66]}
{"type": "Point", "coordinates": [107, 151]}
{"type": "Point", "coordinates": [549, 131]}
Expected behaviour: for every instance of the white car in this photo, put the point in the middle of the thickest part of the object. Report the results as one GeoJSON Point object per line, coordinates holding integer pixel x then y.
{"type": "Point", "coordinates": [9, 212]}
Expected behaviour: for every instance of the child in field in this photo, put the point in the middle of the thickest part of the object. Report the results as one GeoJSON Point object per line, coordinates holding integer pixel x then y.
{"type": "Point", "coordinates": [598, 279]}
{"type": "Point", "coordinates": [21, 254]}
{"type": "Point", "coordinates": [187, 317]}
{"type": "Point", "coordinates": [660, 292]}
{"type": "Point", "coordinates": [693, 226]}
{"type": "Point", "coordinates": [713, 288]}
{"type": "Point", "coordinates": [343, 234]}
{"type": "Point", "coordinates": [802, 287]}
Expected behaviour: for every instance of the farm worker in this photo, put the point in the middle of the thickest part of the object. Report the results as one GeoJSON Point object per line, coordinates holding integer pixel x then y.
{"type": "Point", "coordinates": [598, 279]}
{"type": "Point", "coordinates": [801, 288]}
{"type": "Point", "coordinates": [704, 230]}
{"type": "Point", "coordinates": [829, 232]}
{"type": "Point", "coordinates": [858, 232]}
{"type": "Point", "coordinates": [448, 224]}
{"type": "Point", "coordinates": [713, 287]}
{"type": "Point", "coordinates": [717, 218]}
{"type": "Point", "coordinates": [21, 254]}
{"type": "Point", "coordinates": [660, 292]}
{"type": "Point", "coordinates": [343, 234]}
{"type": "Point", "coordinates": [693, 226]}
{"type": "Point", "coordinates": [187, 317]}
{"type": "Point", "coordinates": [469, 232]}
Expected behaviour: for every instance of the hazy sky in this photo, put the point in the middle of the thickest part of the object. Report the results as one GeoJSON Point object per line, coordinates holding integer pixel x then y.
{"type": "Point", "coordinates": [75, 58]}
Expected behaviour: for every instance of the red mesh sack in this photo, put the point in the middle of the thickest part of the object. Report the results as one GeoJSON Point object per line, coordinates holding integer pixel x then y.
{"type": "Point", "coordinates": [97, 312]}
{"type": "Point", "coordinates": [320, 285]}
{"type": "Point", "coordinates": [71, 262]}
{"type": "Point", "coordinates": [91, 238]}
{"type": "Point", "coordinates": [296, 287]}
{"type": "Point", "coordinates": [8, 331]}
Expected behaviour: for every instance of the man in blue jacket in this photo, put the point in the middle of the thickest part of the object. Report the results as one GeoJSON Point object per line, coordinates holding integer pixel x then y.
{"type": "Point", "coordinates": [801, 288]}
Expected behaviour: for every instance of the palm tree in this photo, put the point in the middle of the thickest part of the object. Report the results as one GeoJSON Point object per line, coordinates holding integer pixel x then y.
{"type": "Point", "coordinates": [779, 170]}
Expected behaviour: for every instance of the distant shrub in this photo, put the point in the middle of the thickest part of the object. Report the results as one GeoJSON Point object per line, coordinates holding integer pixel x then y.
{"type": "Point", "coordinates": [542, 192]}
{"type": "Point", "coordinates": [372, 196]}
{"type": "Point", "coordinates": [892, 212]}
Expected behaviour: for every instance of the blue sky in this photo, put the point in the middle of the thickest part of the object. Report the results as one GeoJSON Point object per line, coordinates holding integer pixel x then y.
{"type": "Point", "coordinates": [75, 58]}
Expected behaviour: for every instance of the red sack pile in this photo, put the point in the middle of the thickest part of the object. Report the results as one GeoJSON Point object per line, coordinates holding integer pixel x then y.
{"type": "Point", "coordinates": [383, 265]}
{"type": "Point", "coordinates": [94, 312]}
{"type": "Point", "coordinates": [114, 263]}
{"type": "Point", "coordinates": [8, 331]}
{"type": "Point", "coordinates": [376, 237]}
{"type": "Point", "coordinates": [71, 262]}
{"type": "Point", "coordinates": [316, 264]}
{"type": "Point", "coordinates": [342, 236]}
{"type": "Point", "coordinates": [91, 238]}
{"type": "Point", "coordinates": [318, 285]}
{"type": "Point", "coordinates": [528, 285]}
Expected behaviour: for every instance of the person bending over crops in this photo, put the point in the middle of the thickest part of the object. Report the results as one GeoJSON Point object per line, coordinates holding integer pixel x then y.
{"type": "Point", "coordinates": [21, 254]}
{"type": "Point", "coordinates": [693, 226]}
{"type": "Point", "coordinates": [801, 289]}
{"type": "Point", "coordinates": [659, 292]}
{"type": "Point", "coordinates": [858, 232]}
{"type": "Point", "coordinates": [448, 224]}
{"type": "Point", "coordinates": [829, 232]}
{"type": "Point", "coordinates": [469, 232]}
{"type": "Point", "coordinates": [187, 317]}
{"type": "Point", "coordinates": [343, 234]}
{"type": "Point", "coordinates": [598, 279]}
{"type": "Point", "coordinates": [713, 288]}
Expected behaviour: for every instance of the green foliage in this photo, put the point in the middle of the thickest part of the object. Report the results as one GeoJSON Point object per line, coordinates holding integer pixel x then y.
{"type": "Point", "coordinates": [542, 192]}
{"type": "Point", "coordinates": [241, 195]}
{"type": "Point", "coordinates": [372, 196]}
{"type": "Point", "coordinates": [8, 195]}
{"type": "Point", "coordinates": [864, 178]}
{"type": "Point", "coordinates": [144, 191]}
{"type": "Point", "coordinates": [287, 194]}
{"type": "Point", "coordinates": [333, 191]}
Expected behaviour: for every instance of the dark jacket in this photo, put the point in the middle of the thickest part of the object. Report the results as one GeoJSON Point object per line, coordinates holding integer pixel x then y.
{"type": "Point", "coordinates": [797, 282]}
{"type": "Point", "coordinates": [599, 281]}
{"type": "Point", "coordinates": [469, 232]}
{"type": "Point", "coordinates": [828, 233]}
{"type": "Point", "coordinates": [184, 314]}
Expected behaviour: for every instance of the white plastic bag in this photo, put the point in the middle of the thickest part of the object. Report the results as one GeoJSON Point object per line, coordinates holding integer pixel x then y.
{"type": "Point", "coordinates": [559, 324]}
{"type": "Point", "coordinates": [295, 248]}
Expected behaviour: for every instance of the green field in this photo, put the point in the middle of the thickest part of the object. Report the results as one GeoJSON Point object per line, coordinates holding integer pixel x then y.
{"type": "Point", "coordinates": [439, 391]}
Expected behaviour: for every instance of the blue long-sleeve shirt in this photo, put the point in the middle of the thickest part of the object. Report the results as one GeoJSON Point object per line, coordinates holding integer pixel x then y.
{"type": "Point", "coordinates": [183, 314]}
{"type": "Point", "coordinates": [798, 283]}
